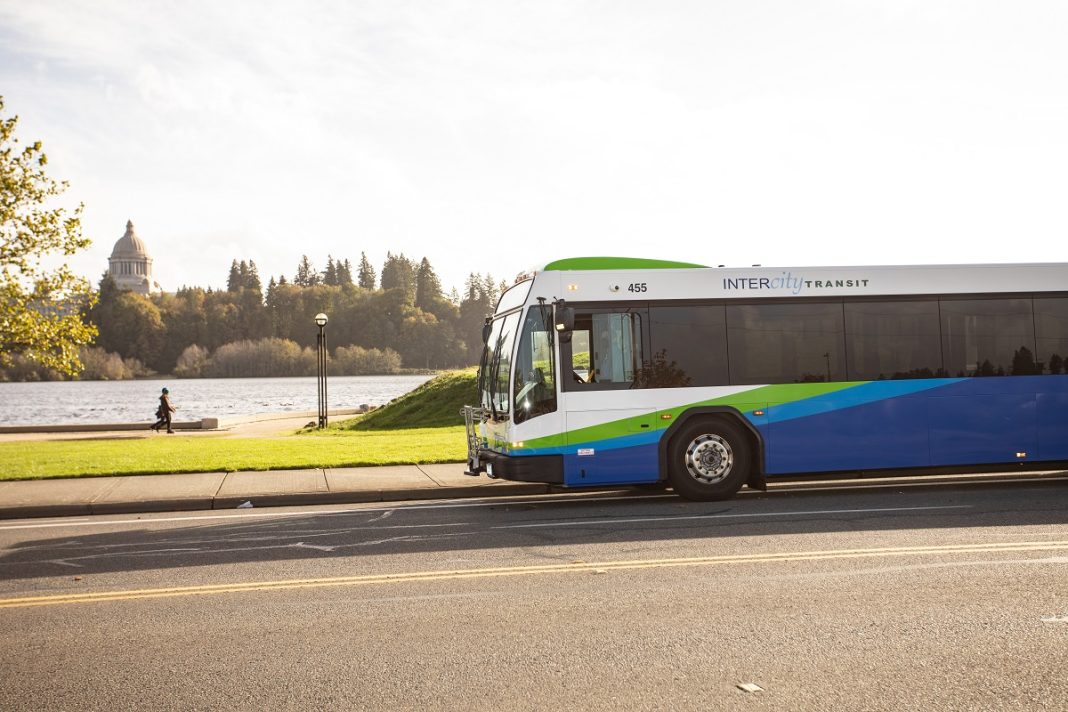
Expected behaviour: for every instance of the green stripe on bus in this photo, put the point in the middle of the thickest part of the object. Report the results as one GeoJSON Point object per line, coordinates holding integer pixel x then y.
{"type": "Point", "coordinates": [594, 263]}
{"type": "Point", "coordinates": [778, 394]}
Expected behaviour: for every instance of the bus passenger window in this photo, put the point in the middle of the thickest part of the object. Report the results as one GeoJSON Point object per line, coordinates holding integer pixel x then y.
{"type": "Point", "coordinates": [606, 348]}
{"type": "Point", "coordinates": [988, 337]}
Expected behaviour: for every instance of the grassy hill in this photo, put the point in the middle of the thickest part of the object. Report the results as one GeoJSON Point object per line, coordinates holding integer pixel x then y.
{"type": "Point", "coordinates": [436, 403]}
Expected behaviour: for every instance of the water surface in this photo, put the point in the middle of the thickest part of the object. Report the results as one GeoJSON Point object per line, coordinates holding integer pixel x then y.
{"type": "Point", "coordinates": [85, 402]}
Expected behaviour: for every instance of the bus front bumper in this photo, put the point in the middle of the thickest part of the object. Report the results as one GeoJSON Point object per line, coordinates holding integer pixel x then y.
{"type": "Point", "coordinates": [530, 468]}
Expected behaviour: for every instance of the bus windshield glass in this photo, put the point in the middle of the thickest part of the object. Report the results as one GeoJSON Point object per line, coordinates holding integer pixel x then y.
{"type": "Point", "coordinates": [496, 366]}
{"type": "Point", "coordinates": [535, 372]}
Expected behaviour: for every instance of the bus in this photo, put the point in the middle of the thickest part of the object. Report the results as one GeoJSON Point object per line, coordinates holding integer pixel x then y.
{"type": "Point", "coordinates": [604, 371]}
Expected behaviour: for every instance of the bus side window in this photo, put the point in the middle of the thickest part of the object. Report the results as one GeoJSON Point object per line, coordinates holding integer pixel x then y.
{"type": "Point", "coordinates": [606, 348]}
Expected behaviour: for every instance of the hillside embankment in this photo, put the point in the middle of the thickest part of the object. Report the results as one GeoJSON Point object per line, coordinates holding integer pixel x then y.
{"type": "Point", "coordinates": [434, 404]}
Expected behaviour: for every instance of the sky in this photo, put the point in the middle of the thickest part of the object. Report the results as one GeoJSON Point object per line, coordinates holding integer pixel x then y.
{"type": "Point", "coordinates": [490, 137]}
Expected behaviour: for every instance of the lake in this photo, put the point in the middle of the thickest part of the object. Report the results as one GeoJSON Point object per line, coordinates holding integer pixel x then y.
{"type": "Point", "coordinates": [84, 402]}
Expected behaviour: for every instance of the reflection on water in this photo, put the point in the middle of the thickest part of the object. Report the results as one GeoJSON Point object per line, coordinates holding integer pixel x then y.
{"type": "Point", "coordinates": [87, 402]}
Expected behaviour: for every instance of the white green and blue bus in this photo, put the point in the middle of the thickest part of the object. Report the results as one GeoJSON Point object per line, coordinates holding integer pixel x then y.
{"type": "Point", "coordinates": [620, 371]}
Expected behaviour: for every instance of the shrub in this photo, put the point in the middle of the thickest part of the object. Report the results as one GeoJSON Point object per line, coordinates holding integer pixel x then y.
{"type": "Point", "coordinates": [257, 359]}
{"type": "Point", "coordinates": [358, 361]}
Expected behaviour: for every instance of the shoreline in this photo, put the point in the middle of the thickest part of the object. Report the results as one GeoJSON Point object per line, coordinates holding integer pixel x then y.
{"type": "Point", "coordinates": [257, 425]}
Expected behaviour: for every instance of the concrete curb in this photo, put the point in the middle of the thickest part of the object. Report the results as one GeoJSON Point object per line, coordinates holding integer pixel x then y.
{"type": "Point", "coordinates": [295, 499]}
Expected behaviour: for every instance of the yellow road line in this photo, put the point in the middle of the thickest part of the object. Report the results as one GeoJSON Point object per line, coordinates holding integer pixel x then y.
{"type": "Point", "coordinates": [580, 567]}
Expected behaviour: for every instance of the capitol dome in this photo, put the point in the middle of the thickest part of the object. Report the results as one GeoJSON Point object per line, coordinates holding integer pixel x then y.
{"type": "Point", "coordinates": [129, 245]}
{"type": "Point", "coordinates": [130, 264]}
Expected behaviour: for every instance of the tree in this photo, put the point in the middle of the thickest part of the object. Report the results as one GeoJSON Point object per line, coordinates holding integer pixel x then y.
{"type": "Point", "coordinates": [41, 309]}
{"type": "Point", "coordinates": [233, 282]}
{"type": "Point", "coordinates": [427, 287]}
{"type": "Point", "coordinates": [366, 278]}
{"type": "Point", "coordinates": [399, 273]}
{"type": "Point", "coordinates": [306, 274]}
{"type": "Point", "coordinates": [344, 273]}
{"type": "Point", "coordinates": [253, 282]}
{"type": "Point", "coordinates": [330, 273]}
{"type": "Point", "coordinates": [129, 324]}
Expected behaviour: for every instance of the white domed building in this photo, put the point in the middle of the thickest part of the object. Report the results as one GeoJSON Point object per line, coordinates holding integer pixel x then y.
{"type": "Point", "coordinates": [130, 264]}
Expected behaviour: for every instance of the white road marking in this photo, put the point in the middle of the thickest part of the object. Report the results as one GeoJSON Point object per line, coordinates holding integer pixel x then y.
{"type": "Point", "coordinates": [727, 516]}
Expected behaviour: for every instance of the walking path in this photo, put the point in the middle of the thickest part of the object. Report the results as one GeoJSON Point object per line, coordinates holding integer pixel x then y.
{"type": "Point", "coordinates": [261, 426]}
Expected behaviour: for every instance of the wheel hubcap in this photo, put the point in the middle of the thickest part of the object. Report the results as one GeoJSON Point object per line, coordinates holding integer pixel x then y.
{"type": "Point", "coordinates": [709, 459]}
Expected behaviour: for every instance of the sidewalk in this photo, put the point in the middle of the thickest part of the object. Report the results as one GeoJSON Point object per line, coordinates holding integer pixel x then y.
{"type": "Point", "coordinates": [60, 497]}
{"type": "Point", "coordinates": [226, 490]}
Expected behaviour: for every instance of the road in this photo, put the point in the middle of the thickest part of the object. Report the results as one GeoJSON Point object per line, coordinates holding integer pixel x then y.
{"type": "Point", "coordinates": [953, 596]}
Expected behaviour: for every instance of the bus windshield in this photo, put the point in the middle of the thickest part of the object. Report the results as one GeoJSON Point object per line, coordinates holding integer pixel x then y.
{"type": "Point", "coordinates": [535, 371]}
{"type": "Point", "coordinates": [496, 366]}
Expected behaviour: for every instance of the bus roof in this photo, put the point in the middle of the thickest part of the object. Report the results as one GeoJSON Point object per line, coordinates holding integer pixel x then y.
{"type": "Point", "coordinates": [595, 263]}
{"type": "Point", "coordinates": [592, 278]}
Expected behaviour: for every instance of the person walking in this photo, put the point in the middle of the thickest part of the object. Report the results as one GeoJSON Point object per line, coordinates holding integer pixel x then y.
{"type": "Point", "coordinates": [163, 413]}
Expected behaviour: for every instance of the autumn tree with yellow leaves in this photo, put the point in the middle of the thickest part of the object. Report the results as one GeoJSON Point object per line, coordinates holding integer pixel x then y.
{"type": "Point", "coordinates": [41, 304]}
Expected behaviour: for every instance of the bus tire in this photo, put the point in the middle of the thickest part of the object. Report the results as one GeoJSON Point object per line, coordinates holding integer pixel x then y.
{"type": "Point", "coordinates": [709, 459]}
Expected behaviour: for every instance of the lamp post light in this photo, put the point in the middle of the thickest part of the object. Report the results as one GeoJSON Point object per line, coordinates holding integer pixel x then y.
{"type": "Point", "coordinates": [320, 321]}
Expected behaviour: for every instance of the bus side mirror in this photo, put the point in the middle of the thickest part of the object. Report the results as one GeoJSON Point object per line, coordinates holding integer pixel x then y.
{"type": "Point", "coordinates": [486, 329]}
{"type": "Point", "coordinates": [565, 320]}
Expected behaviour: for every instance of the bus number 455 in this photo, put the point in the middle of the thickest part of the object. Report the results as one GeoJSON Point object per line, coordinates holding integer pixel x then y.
{"type": "Point", "coordinates": [637, 287]}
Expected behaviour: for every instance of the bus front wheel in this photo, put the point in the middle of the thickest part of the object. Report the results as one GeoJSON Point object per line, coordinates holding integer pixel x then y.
{"type": "Point", "coordinates": [709, 460]}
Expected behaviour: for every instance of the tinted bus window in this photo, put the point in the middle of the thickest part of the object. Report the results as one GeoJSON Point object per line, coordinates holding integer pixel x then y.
{"type": "Point", "coordinates": [606, 349]}
{"type": "Point", "coordinates": [988, 337]}
{"type": "Point", "coordinates": [689, 347]}
{"type": "Point", "coordinates": [886, 340]}
{"type": "Point", "coordinates": [1051, 333]}
{"type": "Point", "coordinates": [785, 343]}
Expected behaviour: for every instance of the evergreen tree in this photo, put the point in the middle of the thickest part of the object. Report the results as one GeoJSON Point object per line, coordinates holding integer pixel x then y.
{"type": "Point", "coordinates": [344, 273]}
{"type": "Point", "coordinates": [254, 278]}
{"type": "Point", "coordinates": [366, 278]}
{"type": "Point", "coordinates": [399, 273]}
{"type": "Point", "coordinates": [427, 286]}
{"type": "Point", "coordinates": [233, 282]}
{"type": "Point", "coordinates": [306, 274]}
{"type": "Point", "coordinates": [330, 273]}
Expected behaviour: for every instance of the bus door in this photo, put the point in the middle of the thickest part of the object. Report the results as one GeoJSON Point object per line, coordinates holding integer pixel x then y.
{"type": "Point", "coordinates": [611, 433]}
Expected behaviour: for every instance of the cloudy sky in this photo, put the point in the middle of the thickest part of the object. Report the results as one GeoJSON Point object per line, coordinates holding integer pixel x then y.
{"type": "Point", "coordinates": [493, 136]}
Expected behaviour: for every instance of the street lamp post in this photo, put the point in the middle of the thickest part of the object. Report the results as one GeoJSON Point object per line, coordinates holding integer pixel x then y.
{"type": "Point", "coordinates": [320, 321]}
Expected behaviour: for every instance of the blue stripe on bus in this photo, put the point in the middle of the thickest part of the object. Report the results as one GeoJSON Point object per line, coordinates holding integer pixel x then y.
{"type": "Point", "coordinates": [860, 394]}
{"type": "Point", "coordinates": [972, 421]}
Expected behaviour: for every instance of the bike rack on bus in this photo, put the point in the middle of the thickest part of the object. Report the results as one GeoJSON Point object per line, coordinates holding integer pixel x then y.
{"type": "Point", "coordinates": [473, 417]}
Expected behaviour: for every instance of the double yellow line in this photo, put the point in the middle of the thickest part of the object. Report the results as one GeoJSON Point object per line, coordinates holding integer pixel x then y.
{"type": "Point", "coordinates": [564, 568]}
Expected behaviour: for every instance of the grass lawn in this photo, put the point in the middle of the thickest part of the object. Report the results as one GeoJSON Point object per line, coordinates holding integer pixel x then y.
{"type": "Point", "coordinates": [331, 448]}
